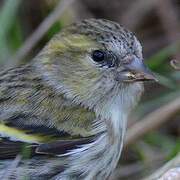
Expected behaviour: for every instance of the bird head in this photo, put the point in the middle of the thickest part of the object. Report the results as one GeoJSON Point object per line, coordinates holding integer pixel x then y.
{"type": "Point", "coordinates": [87, 60]}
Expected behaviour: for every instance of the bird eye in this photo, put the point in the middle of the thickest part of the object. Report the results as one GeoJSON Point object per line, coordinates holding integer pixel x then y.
{"type": "Point", "coordinates": [98, 55]}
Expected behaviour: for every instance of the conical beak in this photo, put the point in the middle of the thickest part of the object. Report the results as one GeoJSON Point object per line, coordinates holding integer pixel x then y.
{"type": "Point", "coordinates": [136, 70]}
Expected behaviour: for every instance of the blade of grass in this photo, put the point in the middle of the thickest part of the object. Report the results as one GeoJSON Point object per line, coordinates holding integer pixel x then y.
{"type": "Point", "coordinates": [160, 57]}
{"type": "Point", "coordinates": [7, 17]}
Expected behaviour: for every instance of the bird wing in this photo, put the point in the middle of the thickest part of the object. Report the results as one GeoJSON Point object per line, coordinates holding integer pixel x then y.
{"type": "Point", "coordinates": [33, 115]}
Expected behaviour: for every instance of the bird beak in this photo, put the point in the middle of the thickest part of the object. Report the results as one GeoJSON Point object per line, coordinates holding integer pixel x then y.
{"type": "Point", "coordinates": [136, 70]}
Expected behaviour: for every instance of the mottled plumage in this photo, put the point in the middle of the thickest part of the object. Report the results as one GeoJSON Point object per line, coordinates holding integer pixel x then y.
{"type": "Point", "coordinates": [68, 109]}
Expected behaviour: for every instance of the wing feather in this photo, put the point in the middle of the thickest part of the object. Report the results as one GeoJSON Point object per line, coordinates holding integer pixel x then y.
{"type": "Point", "coordinates": [32, 112]}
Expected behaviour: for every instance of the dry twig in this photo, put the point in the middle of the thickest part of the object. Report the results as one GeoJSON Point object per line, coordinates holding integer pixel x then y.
{"type": "Point", "coordinates": [152, 121]}
{"type": "Point", "coordinates": [175, 162]}
{"type": "Point", "coordinates": [175, 64]}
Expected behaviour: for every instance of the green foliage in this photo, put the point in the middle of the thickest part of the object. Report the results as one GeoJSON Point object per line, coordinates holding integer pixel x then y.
{"type": "Point", "coordinates": [54, 29]}
{"type": "Point", "coordinates": [157, 61]}
{"type": "Point", "coordinates": [160, 140]}
{"type": "Point", "coordinates": [7, 19]}
{"type": "Point", "coordinates": [175, 150]}
{"type": "Point", "coordinates": [15, 34]}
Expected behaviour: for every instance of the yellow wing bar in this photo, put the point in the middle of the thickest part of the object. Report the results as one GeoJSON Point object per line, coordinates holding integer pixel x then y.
{"type": "Point", "coordinates": [20, 135]}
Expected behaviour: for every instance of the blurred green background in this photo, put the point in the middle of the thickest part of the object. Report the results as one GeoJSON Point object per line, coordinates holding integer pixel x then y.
{"type": "Point", "coordinates": [157, 25]}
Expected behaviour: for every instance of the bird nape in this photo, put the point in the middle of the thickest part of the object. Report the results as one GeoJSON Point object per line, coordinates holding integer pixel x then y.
{"type": "Point", "coordinates": [65, 112]}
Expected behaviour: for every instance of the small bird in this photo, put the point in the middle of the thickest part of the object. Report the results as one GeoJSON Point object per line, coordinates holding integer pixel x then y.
{"type": "Point", "coordinates": [65, 112]}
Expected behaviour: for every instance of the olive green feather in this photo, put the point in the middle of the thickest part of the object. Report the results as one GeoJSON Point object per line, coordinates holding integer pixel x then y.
{"type": "Point", "coordinates": [27, 103]}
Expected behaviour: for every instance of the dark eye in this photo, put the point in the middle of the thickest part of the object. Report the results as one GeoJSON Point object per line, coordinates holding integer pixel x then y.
{"type": "Point", "coordinates": [98, 55]}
